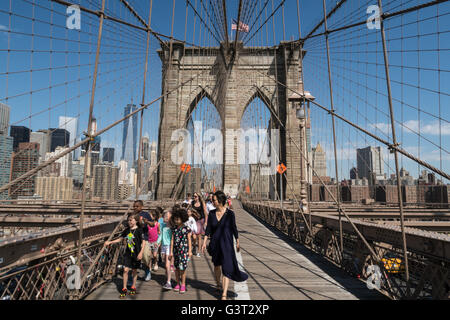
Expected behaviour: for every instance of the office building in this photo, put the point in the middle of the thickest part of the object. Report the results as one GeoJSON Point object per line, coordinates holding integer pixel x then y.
{"type": "Point", "coordinates": [43, 138]}
{"type": "Point", "coordinates": [54, 188]}
{"type": "Point", "coordinates": [370, 163]}
{"type": "Point", "coordinates": [124, 191]}
{"type": "Point", "coordinates": [4, 119]}
{"type": "Point", "coordinates": [123, 172]}
{"type": "Point", "coordinates": [71, 125]}
{"type": "Point", "coordinates": [354, 173]}
{"type": "Point", "coordinates": [78, 173]}
{"type": "Point", "coordinates": [106, 182]}
{"type": "Point", "coordinates": [145, 148]}
{"type": "Point", "coordinates": [59, 138]}
{"type": "Point", "coordinates": [319, 161]}
{"type": "Point", "coordinates": [65, 161]}
{"type": "Point", "coordinates": [108, 155]}
{"type": "Point", "coordinates": [6, 150]}
{"type": "Point", "coordinates": [20, 134]}
{"type": "Point", "coordinates": [25, 159]}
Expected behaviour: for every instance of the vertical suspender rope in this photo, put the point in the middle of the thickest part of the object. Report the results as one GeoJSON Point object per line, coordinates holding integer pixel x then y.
{"type": "Point", "coordinates": [89, 132]}
{"type": "Point", "coordinates": [333, 126]}
{"type": "Point", "coordinates": [144, 87]}
{"type": "Point", "coordinates": [308, 207]}
{"type": "Point", "coordinates": [394, 141]}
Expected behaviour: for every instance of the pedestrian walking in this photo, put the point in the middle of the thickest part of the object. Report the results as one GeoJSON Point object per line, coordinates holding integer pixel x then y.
{"type": "Point", "coordinates": [209, 204]}
{"type": "Point", "coordinates": [188, 199]}
{"type": "Point", "coordinates": [220, 230]}
{"type": "Point", "coordinates": [199, 205]}
{"type": "Point", "coordinates": [160, 214]}
{"type": "Point", "coordinates": [165, 240]}
{"type": "Point", "coordinates": [133, 237]}
{"type": "Point", "coordinates": [194, 216]}
{"type": "Point", "coordinates": [153, 234]}
{"type": "Point", "coordinates": [180, 247]}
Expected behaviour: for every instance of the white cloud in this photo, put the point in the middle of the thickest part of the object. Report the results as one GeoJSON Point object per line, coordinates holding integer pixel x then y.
{"type": "Point", "coordinates": [383, 127]}
{"type": "Point", "coordinates": [433, 128]}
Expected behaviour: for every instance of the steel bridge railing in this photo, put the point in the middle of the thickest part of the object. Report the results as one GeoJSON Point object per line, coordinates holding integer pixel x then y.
{"type": "Point", "coordinates": [428, 253]}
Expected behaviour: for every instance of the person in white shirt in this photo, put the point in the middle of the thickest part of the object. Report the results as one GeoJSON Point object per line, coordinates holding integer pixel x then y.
{"type": "Point", "coordinates": [188, 200]}
{"type": "Point", "coordinates": [209, 205]}
{"type": "Point", "coordinates": [191, 223]}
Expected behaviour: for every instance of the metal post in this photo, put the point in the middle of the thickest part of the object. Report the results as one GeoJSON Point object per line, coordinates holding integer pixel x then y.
{"type": "Point", "coordinates": [394, 140]}
{"type": "Point", "coordinates": [88, 151]}
{"type": "Point", "coordinates": [185, 186]}
{"type": "Point", "coordinates": [281, 190]}
{"type": "Point", "coordinates": [338, 196]}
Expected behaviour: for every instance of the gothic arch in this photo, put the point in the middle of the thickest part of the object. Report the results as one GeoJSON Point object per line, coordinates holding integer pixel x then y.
{"type": "Point", "coordinates": [202, 93]}
{"type": "Point", "coordinates": [256, 92]}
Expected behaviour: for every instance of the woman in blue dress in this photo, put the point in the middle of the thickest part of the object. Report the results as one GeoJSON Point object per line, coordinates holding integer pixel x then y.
{"type": "Point", "coordinates": [220, 230]}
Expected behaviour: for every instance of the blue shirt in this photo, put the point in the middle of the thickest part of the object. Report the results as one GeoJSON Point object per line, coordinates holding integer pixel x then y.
{"type": "Point", "coordinates": [165, 237]}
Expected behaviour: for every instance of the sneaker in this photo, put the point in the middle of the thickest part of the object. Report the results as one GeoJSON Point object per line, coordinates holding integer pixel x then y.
{"type": "Point", "coordinates": [198, 254]}
{"type": "Point", "coordinates": [177, 288]}
{"type": "Point", "coordinates": [183, 289]}
{"type": "Point", "coordinates": [167, 286]}
{"type": "Point", "coordinates": [133, 291]}
{"type": "Point", "coordinates": [123, 293]}
{"type": "Point", "coordinates": [148, 276]}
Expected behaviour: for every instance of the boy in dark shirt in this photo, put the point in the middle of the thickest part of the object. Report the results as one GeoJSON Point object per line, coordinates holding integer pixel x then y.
{"type": "Point", "coordinates": [145, 221]}
{"type": "Point", "coordinates": [134, 239]}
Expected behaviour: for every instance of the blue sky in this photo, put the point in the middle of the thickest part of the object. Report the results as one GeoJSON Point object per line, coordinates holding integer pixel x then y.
{"type": "Point", "coordinates": [62, 63]}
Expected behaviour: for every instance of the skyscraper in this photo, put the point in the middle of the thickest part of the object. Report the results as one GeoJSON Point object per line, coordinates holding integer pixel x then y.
{"type": "Point", "coordinates": [145, 148]}
{"type": "Point", "coordinates": [43, 138]}
{"type": "Point", "coordinates": [106, 182]}
{"type": "Point", "coordinates": [20, 134]}
{"type": "Point", "coordinates": [153, 154]}
{"type": "Point", "coordinates": [95, 148]}
{"type": "Point", "coordinates": [4, 119]}
{"type": "Point", "coordinates": [319, 161]}
{"type": "Point", "coordinates": [108, 155]}
{"type": "Point", "coordinates": [25, 159]}
{"type": "Point", "coordinates": [6, 150]}
{"type": "Point", "coordinates": [369, 163]}
{"type": "Point", "coordinates": [65, 162]}
{"type": "Point", "coordinates": [354, 173]}
{"type": "Point", "coordinates": [59, 138]}
{"type": "Point", "coordinates": [129, 138]}
{"type": "Point", "coordinates": [54, 188]}
{"type": "Point", "coordinates": [71, 125]}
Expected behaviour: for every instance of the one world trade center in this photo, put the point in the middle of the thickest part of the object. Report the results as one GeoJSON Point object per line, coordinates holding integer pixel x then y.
{"type": "Point", "coordinates": [129, 138]}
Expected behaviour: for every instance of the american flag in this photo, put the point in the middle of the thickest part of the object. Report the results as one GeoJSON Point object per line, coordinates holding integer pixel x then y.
{"type": "Point", "coordinates": [242, 26]}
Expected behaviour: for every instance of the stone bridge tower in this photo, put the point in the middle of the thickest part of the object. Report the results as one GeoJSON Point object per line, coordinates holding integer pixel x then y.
{"type": "Point", "coordinates": [230, 79]}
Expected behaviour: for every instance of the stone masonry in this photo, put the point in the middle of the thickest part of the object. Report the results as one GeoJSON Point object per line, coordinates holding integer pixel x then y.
{"type": "Point", "coordinates": [230, 82]}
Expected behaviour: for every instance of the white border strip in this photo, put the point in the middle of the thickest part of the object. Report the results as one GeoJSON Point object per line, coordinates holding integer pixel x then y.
{"type": "Point", "coordinates": [241, 288]}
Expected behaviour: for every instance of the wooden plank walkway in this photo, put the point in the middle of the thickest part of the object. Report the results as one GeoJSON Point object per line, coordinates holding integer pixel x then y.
{"type": "Point", "coordinates": [278, 269]}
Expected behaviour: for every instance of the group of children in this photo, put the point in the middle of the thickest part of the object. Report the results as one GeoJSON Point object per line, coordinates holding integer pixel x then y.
{"type": "Point", "coordinates": [173, 235]}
